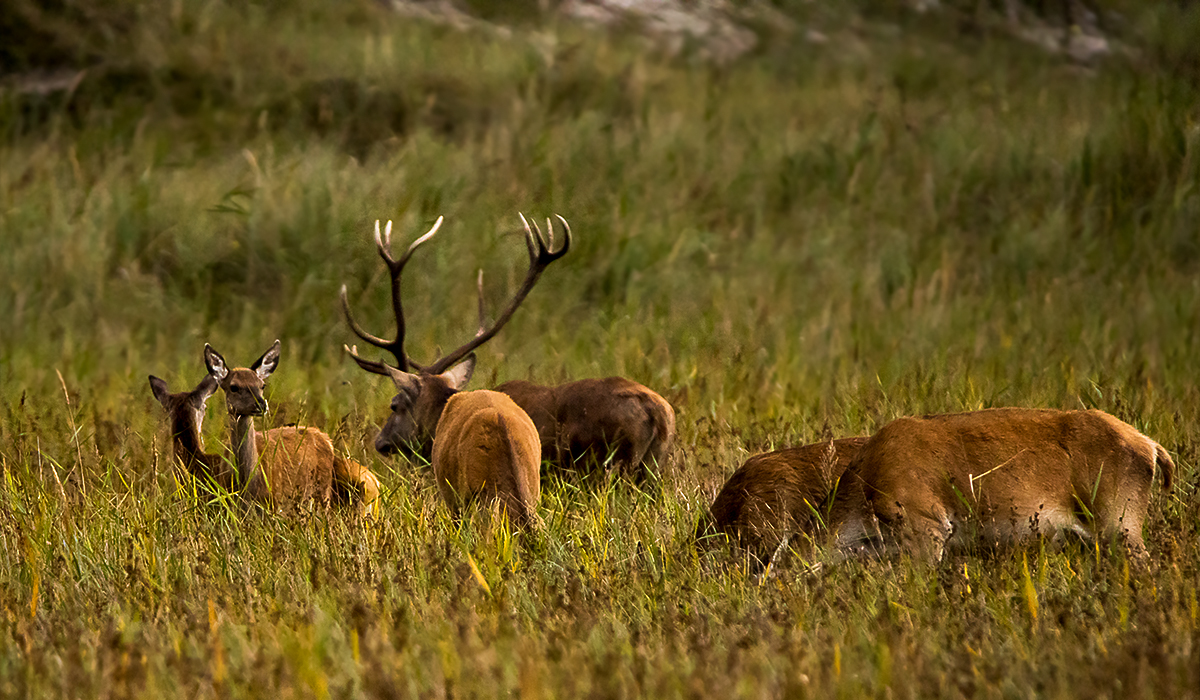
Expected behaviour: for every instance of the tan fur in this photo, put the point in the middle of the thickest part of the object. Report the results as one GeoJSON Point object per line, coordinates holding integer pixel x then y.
{"type": "Point", "coordinates": [291, 465]}
{"type": "Point", "coordinates": [998, 475]}
{"type": "Point", "coordinates": [486, 447]}
{"type": "Point", "coordinates": [351, 475]}
{"type": "Point", "coordinates": [776, 495]}
{"type": "Point", "coordinates": [294, 465]}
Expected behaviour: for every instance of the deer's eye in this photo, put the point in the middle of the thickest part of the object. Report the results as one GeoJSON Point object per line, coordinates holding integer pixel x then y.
{"type": "Point", "coordinates": [235, 389]}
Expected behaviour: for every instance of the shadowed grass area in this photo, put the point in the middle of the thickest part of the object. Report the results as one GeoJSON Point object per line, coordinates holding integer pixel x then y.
{"type": "Point", "coordinates": [912, 218]}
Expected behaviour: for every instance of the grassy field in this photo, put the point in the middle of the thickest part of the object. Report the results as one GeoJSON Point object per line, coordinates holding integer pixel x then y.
{"type": "Point", "coordinates": [921, 215]}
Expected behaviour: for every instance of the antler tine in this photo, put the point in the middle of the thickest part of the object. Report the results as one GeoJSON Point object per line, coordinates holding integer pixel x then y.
{"type": "Point", "coordinates": [383, 243]}
{"type": "Point", "coordinates": [369, 365]}
{"type": "Point", "coordinates": [540, 257]}
{"type": "Point", "coordinates": [482, 313]}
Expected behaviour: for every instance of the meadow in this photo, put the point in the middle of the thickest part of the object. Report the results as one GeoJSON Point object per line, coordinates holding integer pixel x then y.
{"type": "Point", "coordinates": [921, 215]}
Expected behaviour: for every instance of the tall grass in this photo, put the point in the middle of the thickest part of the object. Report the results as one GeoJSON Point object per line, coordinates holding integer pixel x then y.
{"type": "Point", "coordinates": [809, 242]}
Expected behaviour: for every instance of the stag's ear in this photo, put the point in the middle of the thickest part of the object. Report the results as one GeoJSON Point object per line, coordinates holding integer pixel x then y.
{"type": "Point", "coordinates": [215, 363]}
{"type": "Point", "coordinates": [407, 384]}
{"type": "Point", "coordinates": [161, 392]}
{"type": "Point", "coordinates": [206, 388]}
{"type": "Point", "coordinates": [266, 364]}
{"type": "Point", "coordinates": [458, 375]}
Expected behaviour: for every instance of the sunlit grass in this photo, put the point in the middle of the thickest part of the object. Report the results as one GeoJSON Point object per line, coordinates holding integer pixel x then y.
{"type": "Point", "coordinates": [807, 243]}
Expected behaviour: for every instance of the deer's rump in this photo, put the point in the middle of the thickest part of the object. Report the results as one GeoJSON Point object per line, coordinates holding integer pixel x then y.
{"type": "Point", "coordinates": [487, 447]}
{"type": "Point", "coordinates": [591, 420]}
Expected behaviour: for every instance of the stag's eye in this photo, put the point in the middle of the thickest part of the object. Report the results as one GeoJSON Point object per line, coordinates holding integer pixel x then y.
{"type": "Point", "coordinates": [235, 389]}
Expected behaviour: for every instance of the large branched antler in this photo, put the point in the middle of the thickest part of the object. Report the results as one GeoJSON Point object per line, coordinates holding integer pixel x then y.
{"type": "Point", "coordinates": [395, 267]}
{"type": "Point", "coordinates": [541, 254]}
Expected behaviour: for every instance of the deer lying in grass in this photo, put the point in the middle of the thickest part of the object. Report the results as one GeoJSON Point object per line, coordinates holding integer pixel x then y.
{"type": "Point", "coordinates": [992, 476]}
{"type": "Point", "coordinates": [776, 495]}
{"type": "Point", "coordinates": [582, 422]}
{"type": "Point", "coordinates": [483, 444]}
{"type": "Point", "coordinates": [284, 465]}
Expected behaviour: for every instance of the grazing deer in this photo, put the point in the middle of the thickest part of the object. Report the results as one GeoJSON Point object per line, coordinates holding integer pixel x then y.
{"type": "Point", "coordinates": [776, 495]}
{"type": "Point", "coordinates": [282, 465]}
{"type": "Point", "coordinates": [481, 439]}
{"type": "Point", "coordinates": [998, 475]}
{"type": "Point", "coordinates": [583, 421]}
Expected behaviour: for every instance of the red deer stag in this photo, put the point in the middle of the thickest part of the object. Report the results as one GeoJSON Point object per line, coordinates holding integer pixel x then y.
{"type": "Point", "coordinates": [282, 465]}
{"type": "Point", "coordinates": [929, 483]}
{"type": "Point", "coordinates": [579, 422]}
{"type": "Point", "coordinates": [776, 495]}
{"type": "Point", "coordinates": [483, 444]}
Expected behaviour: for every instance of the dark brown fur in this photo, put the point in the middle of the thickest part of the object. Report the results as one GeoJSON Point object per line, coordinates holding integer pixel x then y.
{"type": "Point", "coordinates": [586, 421]}
{"type": "Point", "coordinates": [776, 495]}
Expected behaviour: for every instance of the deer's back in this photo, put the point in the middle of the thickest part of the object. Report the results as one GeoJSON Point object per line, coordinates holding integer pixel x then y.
{"type": "Point", "coordinates": [486, 445]}
{"type": "Point", "coordinates": [294, 464]}
{"type": "Point", "coordinates": [591, 417]}
{"type": "Point", "coordinates": [1013, 459]}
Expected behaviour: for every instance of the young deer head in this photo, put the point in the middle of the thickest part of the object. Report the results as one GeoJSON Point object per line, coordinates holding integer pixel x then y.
{"type": "Point", "coordinates": [422, 395]}
{"type": "Point", "coordinates": [185, 410]}
{"type": "Point", "coordinates": [775, 496]}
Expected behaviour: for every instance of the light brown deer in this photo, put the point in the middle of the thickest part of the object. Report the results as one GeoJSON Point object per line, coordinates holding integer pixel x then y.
{"type": "Point", "coordinates": [583, 422]}
{"type": "Point", "coordinates": [284, 465]}
{"type": "Point", "coordinates": [486, 448]}
{"type": "Point", "coordinates": [993, 476]}
{"type": "Point", "coordinates": [775, 496]}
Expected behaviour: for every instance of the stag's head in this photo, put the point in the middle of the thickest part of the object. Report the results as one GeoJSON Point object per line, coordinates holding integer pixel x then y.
{"type": "Point", "coordinates": [423, 393]}
{"type": "Point", "coordinates": [243, 386]}
{"type": "Point", "coordinates": [417, 406]}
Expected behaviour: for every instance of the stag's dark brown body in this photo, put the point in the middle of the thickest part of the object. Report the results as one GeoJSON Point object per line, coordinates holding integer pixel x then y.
{"type": "Point", "coordinates": [776, 495]}
{"type": "Point", "coordinates": [996, 475]}
{"type": "Point", "coordinates": [589, 421]}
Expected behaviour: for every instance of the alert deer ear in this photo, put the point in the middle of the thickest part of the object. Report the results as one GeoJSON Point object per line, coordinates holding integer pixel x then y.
{"type": "Point", "coordinates": [458, 375]}
{"type": "Point", "coordinates": [406, 383]}
{"type": "Point", "coordinates": [159, 387]}
{"type": "Point", "coordinates": [215, 363]}
{"type": "Point", "coordinates": [206, 388]}
{"type": "Point", "coordinates": [266, 364]}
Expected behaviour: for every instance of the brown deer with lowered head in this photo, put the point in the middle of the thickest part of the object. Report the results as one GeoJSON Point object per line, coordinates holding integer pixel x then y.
{"type": "Point", "coordinates": [483, 444]}
{"type": "Point", "coordinates": [776, 495]}
{"type": "Point", "coordinates": [282, 465]}
{"type": "Point", "coordinates": [997, 475]}
{"type": "Point", "coordinates": [579, 422]}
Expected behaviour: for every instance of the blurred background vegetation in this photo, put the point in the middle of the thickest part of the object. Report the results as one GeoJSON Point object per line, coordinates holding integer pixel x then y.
{"type": "Point", "coordinates": [875, 208]}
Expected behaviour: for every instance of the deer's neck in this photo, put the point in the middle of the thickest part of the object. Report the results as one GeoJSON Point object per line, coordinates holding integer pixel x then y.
{"type": "Point", "coordinates": [189, 446]}
{"type": "Point", "coordinates": [244, 445]}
